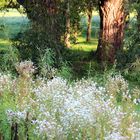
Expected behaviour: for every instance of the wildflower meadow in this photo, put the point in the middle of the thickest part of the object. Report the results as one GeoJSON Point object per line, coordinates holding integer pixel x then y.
{"type": "Point", "coordinates": [55, 109]}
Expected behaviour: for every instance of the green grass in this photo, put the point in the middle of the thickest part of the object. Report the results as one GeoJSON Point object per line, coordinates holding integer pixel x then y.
{"type": "Point", "coordinates": [4, 44]}
{"type": "Point", "coordinates": [82, 56]}
{"type": "Point", "coordinates": [82, 45]}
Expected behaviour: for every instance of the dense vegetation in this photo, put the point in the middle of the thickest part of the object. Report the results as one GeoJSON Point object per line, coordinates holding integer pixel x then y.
{"type": "Point", "coordinates": [70, 70]}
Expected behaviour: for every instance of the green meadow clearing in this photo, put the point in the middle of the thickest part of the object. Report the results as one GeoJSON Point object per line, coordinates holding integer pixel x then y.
{"type": "Point", "coordinates": [12, 22]}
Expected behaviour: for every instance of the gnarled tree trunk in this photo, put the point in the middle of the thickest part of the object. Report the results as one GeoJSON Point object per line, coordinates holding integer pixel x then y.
{"type": "Point", "coordinates": [112, 26]}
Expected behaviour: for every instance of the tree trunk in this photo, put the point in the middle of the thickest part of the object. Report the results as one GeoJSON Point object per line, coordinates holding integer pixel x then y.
{"type": "Point", "coordinates": [75, 32]}
{"type": "Point", "coordinates": [67, 33]}
{"type": "Point", "coordinates": [89, 14]}
{"type": "Point", "coordinates": [1, 137]}
{"type": "Point", "coordinates": [138, 19]}
{"type": "Point", "coordinates": [26, 126]}
{"type": "Point", "coordinates": [14, 132]}
{"type": "Point", "coordinates": [112, 26]}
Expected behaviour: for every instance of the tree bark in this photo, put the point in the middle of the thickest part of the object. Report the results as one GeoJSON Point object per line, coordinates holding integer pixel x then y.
{"type": "Point", "coordinates": [89, 14]}
{"type": "Point", "coordinates": [75, 32]}
{"type": "Point", "coordinates": [67, 33]}
{"type": "Point", "coordinates": [1, 137]}
{"type": "Point", "coordinates": [26, 126]}
{"type": "Point", "coordinates": [112, 26]}
{"type": "Point", "coordinates": [138, 19]}
{"type": "Point", "coordinates": [14, 132]}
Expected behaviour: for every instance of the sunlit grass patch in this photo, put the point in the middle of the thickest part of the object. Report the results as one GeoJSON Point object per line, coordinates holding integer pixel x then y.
{"type": "Point", "coordinates": [11, 13]}
{"type": "Point", "coordinates": [133, 14]}
{"type": "Point", "coordinates": [4, 44]}
{"type": "Point", "coordinates": [82, 45]}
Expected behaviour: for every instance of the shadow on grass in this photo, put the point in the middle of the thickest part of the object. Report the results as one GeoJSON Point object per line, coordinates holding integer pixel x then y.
{"type": "Point", "coordinates": [82, 62]}
{"type": "Point", "coordinates": [82, 57]}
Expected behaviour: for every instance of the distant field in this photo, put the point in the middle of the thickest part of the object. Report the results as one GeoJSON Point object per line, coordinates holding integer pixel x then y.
{"type": "Point", "coordinates": [11, 23]}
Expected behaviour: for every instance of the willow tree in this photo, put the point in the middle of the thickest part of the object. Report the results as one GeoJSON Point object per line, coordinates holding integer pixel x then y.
{"type": "Point", "coordinates": [112, 24]}
{"type": "Point", "coordinates": [47, 19]}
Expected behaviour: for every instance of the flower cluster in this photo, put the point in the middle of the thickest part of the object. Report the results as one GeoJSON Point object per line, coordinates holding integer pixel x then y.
{"type": "Point", "coordinates": [25, 68]}
{"type": "Point", "coordinates": [15, 116]}
{"type": "Point", "coordinates": [117, 86]}
{"type": "Point", "coordinates": [6, 83]}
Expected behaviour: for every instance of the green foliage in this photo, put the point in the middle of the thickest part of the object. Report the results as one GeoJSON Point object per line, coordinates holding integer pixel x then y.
{"type": "Point", "coordinates": [46, 62]}
{"type": "Point", "coordinates": [128, 59]}
{"type": "Point", "coordinates": [3, 3]}
{"type": "Point", "coordinates": [7, 102]}
{"type": "Point", "coordinates": [36, 41]}
{"type": "Point", "coordinates": [132, 44]}
{"type": "Point", "coordinates": [8, 4]}
{"type": "Point", "coordinates": [8, 59]}
{"type": "Point", "coordinates": [132, 73]}
{"type": "Point", "coordinates": [65, 72]}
